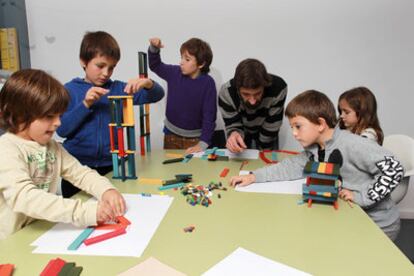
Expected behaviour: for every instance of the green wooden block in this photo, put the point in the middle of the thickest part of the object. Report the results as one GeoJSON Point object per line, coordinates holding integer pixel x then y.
{"type": "Point", "coordinates": [66, 269]}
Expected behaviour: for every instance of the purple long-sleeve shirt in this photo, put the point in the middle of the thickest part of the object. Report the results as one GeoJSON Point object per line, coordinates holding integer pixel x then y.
{"type": "Point", "coordinates": [191, 103]}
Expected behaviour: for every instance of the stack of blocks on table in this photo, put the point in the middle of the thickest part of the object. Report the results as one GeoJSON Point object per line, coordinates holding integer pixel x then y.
{"type": "Point", "coordinates": [62, 268]}
{"type": "Point", "coordinates": [122, 119]}
{"type": "Point", "coordinates": [322, 183]}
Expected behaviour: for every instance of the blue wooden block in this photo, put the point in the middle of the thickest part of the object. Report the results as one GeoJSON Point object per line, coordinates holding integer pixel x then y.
{"type": "Point", "coordinates": [79, 240]}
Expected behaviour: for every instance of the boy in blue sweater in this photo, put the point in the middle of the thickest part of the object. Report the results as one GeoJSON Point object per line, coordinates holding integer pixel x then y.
{"type": "Point", "coordinates": [192, 96]}
{"type": "Point", "coordinates": [369, 172]}
{"type": "Point", "coordinates": [85, 123]}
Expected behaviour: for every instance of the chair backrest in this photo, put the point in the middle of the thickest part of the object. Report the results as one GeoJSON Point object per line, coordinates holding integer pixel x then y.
{"type": "Point", "coordinates": [402, 147]}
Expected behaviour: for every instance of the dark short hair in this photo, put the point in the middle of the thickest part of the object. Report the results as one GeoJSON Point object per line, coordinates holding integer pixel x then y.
{"type": "Point", "coordinates": [312, 105]}
{"type": "Point", "coordinates": [28, 95]}
{"type": "Point", "coordinates": [99, 44]}
{"type": "Point", "coordinates": [251, 73]}
{"type": "Point", "coordinates": [200, 50]}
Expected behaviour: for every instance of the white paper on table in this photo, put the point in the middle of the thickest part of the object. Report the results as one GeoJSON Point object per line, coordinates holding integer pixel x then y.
{"type": "Point", "coordinates": [246, 154]}
{"type": "Point", "coordinates": [244, 262]}
{"type": "Point", "coordinates": [144, 213]}
{"type": "Point", "coordinates": [293, 187]}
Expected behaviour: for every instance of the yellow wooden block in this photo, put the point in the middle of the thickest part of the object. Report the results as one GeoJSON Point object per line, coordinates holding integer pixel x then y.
{"type": "Point", "coordinates": [322, 168]}
{"type": "Point", "coordinates": [174, 155]}
{"type": "Point", "coordinates": [153, 181]}
{"type": "Point", "coordinates": [127, 151]}
{"type": "Point", "coordinates": [119, 97]}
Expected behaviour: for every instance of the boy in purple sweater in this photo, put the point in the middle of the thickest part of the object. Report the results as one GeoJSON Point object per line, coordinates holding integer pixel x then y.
{"type": "Point", "coordinates": [192, 96]}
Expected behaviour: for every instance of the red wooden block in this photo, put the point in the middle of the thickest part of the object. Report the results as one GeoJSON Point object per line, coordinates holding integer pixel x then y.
{"type": "Point", "coordinates": [121, 148]}
{"type": "Point", "coordinates": [335, 205]}
{"type": "Point", "coordinates": [224, 172]}
{"type": "Point", "coordinates": [53, 267]}
{"type": "Point", "coordinates": [329, 168]}
{"type": "Point", "coordinates": [123, 220]}
{"type": "Point", "coordinates": [6, 269]}
{"type": "Point", "coordinates": [142, 143]}
{"type": "Point", "coordinates": [109, 226]}
{"type": "Point", "coordinates": [111, 137]}
{"type": "Point", "coordinates": [106, 236]}
{"type": "Point", "coordinates": [309, 202]}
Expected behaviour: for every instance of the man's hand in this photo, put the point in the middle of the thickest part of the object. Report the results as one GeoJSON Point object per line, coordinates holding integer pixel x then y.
{"type": "Point", "coordinates": [235, 143]}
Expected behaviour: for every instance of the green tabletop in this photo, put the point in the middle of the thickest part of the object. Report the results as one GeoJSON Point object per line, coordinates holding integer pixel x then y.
{"type": "Point", "coordinates": [318, 240]}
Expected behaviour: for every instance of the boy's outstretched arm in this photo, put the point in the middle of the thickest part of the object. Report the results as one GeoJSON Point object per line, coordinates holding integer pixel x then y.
{"type": "Point", "coordinates": [289, 169]}
{"type": "Point", "coordinates": [242, 180]}
{"type": "Point", "coordinates": [164, 71]}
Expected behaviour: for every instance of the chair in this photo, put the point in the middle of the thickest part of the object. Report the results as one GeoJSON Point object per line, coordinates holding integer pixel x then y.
{"type": "Point", "coordinates": [402, 147]}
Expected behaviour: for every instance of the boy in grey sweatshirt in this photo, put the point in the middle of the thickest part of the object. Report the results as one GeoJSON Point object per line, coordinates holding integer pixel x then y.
{"type": "Point", "coordinates": [369, 172]}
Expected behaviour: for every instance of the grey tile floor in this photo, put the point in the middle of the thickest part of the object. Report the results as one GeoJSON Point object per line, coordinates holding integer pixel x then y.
{"type": "Point", "coordinates": [405, 240]}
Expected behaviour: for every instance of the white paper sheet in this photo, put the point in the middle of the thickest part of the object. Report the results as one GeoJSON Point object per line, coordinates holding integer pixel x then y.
{"type": "Point", "coordinates": [145, 214]}
{"type": "Point", "coordinates": [246, 154]}
{"type": "Point", "coordinates": [244, 262]}
{"type": "Point", "coordinates": [293, 187]}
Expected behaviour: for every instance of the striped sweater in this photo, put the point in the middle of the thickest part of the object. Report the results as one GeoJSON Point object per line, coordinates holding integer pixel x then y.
{"type": "Point", "coordinates": [261, 124]}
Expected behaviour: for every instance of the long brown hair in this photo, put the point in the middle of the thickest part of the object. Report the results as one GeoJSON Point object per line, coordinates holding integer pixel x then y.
{"type": "Point", "coordinates": [363, 102]}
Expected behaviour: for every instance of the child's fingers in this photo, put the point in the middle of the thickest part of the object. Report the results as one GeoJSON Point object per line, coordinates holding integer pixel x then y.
{"type": "Point", "coordinates": [119, 206]}
{"type": "Point", "coordinates": [235, 180]}
{"type": "Point", "coordinates": [128, 88]}
{"type": "Point", "coordinates": [101, 91]}
{"type": "Point", "coordinates": [156, 42]}
{"type": "Point", "coordinates": [105, 212]}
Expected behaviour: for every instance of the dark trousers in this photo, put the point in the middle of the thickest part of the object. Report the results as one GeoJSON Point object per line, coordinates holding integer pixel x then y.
{"type": "Point", "coordinates": [69, 190]}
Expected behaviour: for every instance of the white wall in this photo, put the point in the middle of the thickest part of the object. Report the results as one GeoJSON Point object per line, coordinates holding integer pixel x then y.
{"type": "Point", "coordinates": [328, 45]}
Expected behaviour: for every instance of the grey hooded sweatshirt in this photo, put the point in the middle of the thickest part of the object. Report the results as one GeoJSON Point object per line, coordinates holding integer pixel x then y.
{"type": "Point", "coordinates": [367, 169]}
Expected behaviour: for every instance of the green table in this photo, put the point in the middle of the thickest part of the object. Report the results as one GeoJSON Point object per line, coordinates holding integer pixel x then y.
{"type": "Point", "coordinates": [317, 240]}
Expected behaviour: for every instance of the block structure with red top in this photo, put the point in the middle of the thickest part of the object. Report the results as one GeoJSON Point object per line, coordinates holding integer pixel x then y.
{"type": "Point", "coordinates": [322, 183]}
